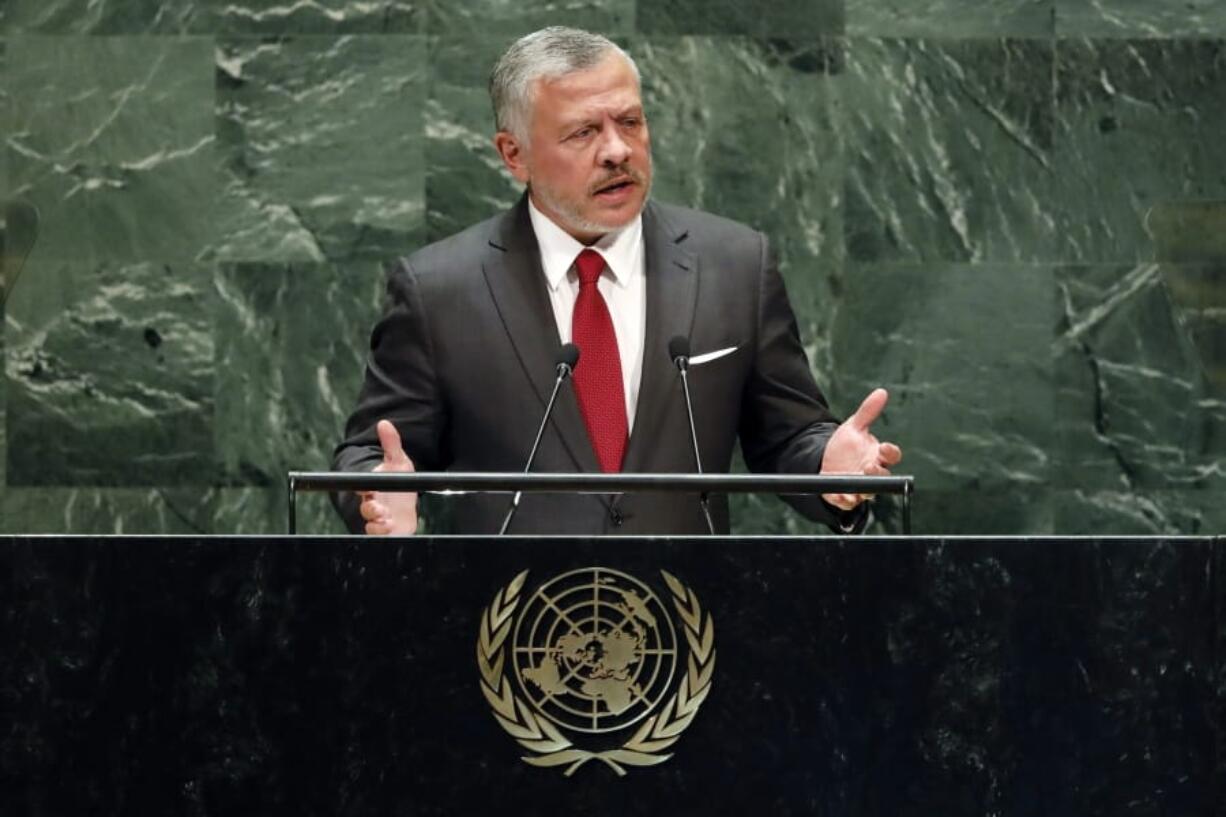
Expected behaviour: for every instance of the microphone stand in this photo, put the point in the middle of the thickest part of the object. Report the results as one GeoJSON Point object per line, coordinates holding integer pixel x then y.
{"type": "Point", "coordinates": [565, 368]}
{"type": "Point", "coordinates": [682, 362]}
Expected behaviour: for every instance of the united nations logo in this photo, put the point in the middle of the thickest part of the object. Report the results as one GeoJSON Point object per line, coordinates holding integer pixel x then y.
{"type": "Point", "coordinates": [594, 653]}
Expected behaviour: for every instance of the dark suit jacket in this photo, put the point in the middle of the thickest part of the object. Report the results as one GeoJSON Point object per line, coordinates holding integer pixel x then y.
{"type": "Point", "coordinates": [463, 363]}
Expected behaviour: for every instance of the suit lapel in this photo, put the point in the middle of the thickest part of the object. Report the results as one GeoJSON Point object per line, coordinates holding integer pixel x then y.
{"type": "Point", "coordinates": [513, 273]}
{"type": "Point", "coordinates": [672, 295]}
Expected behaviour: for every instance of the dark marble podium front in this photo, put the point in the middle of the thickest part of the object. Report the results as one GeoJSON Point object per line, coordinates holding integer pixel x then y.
{"type": "Point", "coordinates": [338, 676]}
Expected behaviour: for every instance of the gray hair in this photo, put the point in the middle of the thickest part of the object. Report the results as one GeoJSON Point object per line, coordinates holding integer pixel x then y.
{"type": "Point", "coordinates": [546, 54]}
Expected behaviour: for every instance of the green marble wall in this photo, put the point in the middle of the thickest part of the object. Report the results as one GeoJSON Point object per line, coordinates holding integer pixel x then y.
{"type": "Point", "coordinates": [1012, 213]}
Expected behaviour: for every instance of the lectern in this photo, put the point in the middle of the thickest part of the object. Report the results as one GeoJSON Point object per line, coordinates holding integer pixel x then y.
{"type": "Point", "coordinates": [306, 675]}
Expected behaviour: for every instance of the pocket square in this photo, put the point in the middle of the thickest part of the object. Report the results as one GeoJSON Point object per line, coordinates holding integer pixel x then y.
{"type": "Point", "coordinates": [707, 357]}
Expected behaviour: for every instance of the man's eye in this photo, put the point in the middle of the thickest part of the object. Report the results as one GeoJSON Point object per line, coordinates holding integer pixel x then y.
{"type": "Point", "coordinates": [631, 122]}
{"type": "Point", "coordinates": [582, 133]}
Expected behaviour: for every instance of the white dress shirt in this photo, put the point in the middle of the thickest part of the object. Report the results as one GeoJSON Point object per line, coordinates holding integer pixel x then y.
{"type": "Point", "coordinates": [622, 284]}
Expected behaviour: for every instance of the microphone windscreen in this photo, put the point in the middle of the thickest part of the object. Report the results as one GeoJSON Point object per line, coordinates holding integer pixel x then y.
{"type": "Point", "coordinates": [568, 355]}
{"type": "Point", "coordinates": [678, 347]}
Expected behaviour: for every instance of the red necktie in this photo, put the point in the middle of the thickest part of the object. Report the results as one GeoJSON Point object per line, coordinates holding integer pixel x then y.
{"type": "Point", "coordinates": [598, 376]}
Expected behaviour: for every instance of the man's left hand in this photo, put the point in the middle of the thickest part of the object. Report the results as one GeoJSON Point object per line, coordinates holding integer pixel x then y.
{"type": "Point", "coordinates": [853, 450]}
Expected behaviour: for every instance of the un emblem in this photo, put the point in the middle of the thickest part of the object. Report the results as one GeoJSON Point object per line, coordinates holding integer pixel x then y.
{"type": "Point", "coordinates": [594, 653]}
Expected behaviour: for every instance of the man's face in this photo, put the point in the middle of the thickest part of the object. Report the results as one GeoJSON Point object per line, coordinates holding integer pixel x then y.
{"type": "Point", "coordinates": [588, 160]}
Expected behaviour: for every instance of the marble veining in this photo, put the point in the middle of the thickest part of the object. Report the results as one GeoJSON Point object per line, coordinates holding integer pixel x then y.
{"type": "Point", "coordinates": [951, 150]}
{"type": "Point", "coordinates": [322, 148]}
{"type": "Point", "coordinates": [1140, 18]}
{"type": "Point", "coordinates": [1132, 138]}
{"type": "Point", "coordinates": [951, 18]}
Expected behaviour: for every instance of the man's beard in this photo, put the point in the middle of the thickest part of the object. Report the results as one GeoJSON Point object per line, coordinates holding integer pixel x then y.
{"type": "Point", "coordinates": [569, 211]}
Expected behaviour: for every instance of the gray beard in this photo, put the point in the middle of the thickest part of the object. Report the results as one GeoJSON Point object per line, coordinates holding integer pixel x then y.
{"type": "Point", "coordinates": [572, 220]}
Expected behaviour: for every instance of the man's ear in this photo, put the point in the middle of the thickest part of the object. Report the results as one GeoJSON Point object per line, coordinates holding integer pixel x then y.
{"type": "Point", "coordinates": [513, 154]}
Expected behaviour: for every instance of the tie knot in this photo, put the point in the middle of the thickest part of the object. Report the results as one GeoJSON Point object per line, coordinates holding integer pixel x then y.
{"type": "Point", "coordinates": [589, 265]}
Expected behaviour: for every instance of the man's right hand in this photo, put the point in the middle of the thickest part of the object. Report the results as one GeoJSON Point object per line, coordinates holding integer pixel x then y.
{"type": "Point", "coordinates": [387, 513]}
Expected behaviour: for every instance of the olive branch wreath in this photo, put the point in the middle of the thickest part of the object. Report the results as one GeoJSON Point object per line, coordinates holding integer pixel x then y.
{"type": "Point", "coordinates": [538, 735]}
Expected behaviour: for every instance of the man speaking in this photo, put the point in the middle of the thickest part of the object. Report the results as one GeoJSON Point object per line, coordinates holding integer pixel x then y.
{"type": "Point", "coordinates": [463, 362]}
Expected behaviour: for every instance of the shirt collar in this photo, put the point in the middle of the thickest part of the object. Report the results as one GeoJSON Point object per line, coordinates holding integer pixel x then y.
{"type": "Point", "coordinates": [559, 248]}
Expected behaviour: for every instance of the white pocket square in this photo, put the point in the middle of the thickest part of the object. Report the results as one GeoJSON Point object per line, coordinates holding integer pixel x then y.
{"type": "Point", "coordinates": [707, 357]}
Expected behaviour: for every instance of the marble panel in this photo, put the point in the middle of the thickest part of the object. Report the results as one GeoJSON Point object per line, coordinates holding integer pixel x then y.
{"type": "Point", "coordinates": [257, 17]}
{"type": "Point", "coordinates": [1197, 294]}
{"type": "Point", "coordinates": [1140, 385]}
{"type": "Point", "coordinates": [110, 375]}
{"type": "Point", "coordinates": [104, 511]}
{"type": "Point", "coordinates": [291, 347]}
{"type": "Point", "coordinates": [18, 233]}
{"type": "Point", "coordinates": [1120, 512]}
{"type": "Point", "coordinates": [780, 18]}
{"type": "Point", "coordinates": [4, 452]}
{"type": "Point", "coordinates": [1188, 232]}
{"type": "Point", "coordinates": [762, 515]}
{"type": "Point", "coordinates": [263, 511]}
{"type": "Point", "coordinates": [101, 16]}
{"type": "Point", "coordinates": [963, 350]}
{"type": "Point", "coordinates": [1140, 18]}
{"type": "Point", "coordinates": [322, 148]}
{"type": "Point", "coordinates": [6, 115]}
{"type": "Point", "coordinates": [748, 129]}
{"type": "Point", "coordinates": [1021, 510]}
{"type": "Point", "coordinates": [112, 140]}
{"type": "Point", "coordinates": [1138, 131]}
{"type": "Point", "coordinates": [477, 19]}
{"type": "Point", "coordinates": [951, 18]}
{"type": "Point", "coordinates": [949, 150]}
{"type": "Point", "coordinates": [1017, 510]}
{"type": "Point", "coordinates": [7, 267]}
{"type": "Point", "coordinates": [276, 17]}
{"type": "Point", "coordinates": [465, 179]}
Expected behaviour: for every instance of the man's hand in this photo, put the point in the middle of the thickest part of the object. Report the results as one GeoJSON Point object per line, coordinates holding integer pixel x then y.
{"type": "Point", "coordinates": [388, 513]}
{"type": "Point", "coordinates": [853, 449]}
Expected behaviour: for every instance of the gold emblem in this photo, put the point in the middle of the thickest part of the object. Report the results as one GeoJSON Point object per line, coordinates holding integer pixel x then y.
{"type": "Point", "coordinates": [594, 653]}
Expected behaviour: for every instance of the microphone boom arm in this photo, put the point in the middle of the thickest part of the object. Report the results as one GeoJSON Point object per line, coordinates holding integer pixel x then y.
{"type": "Point", "coordinates": [566, 366]}
{"type": "Point", "coordinates": [679, 351]}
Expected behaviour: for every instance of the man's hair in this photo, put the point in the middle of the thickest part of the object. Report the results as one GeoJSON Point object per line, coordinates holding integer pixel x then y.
{"type": "Point", "coordinates": [546, 54]}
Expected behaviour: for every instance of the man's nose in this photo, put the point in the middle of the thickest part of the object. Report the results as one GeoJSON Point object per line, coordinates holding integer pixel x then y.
{"type": "Point", "coordinates": [614, 150]}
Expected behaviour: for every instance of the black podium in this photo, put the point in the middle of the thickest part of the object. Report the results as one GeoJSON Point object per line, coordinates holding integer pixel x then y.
{"type": "Point", "coordinates": [453, 676]}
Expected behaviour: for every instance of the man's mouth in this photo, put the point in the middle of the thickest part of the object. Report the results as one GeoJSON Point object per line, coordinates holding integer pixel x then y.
{"type": "Point", "coordinates": [614, 185]}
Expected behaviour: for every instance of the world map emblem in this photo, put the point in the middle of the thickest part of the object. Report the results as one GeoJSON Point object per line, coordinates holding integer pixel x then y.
{"type": "Point", "coordinates": [590, 666]}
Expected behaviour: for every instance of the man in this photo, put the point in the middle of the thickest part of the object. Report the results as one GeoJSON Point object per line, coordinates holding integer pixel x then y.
{"type": "Point", "coordinates": [463, 362]}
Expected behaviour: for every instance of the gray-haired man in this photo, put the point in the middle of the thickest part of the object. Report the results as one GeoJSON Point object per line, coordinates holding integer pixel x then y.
{"type": "Point", "coordinates": [462, 362]}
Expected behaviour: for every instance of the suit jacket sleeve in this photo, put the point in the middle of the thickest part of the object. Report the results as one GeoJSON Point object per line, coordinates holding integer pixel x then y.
{"type": "Point", "coordinates": [786, 421]}
{"type": "Point", "coordinates": [401, 385]}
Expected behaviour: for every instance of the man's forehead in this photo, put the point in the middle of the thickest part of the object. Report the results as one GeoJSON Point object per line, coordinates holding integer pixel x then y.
{"type": "Point", "coordinates": [593, 108]}
{"type": "Point", "coordinates": [571, 110]}
{"type": "Point", "coordinates": [612, 82]}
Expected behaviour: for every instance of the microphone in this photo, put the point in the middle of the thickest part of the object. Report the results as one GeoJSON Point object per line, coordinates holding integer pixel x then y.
{"type": "Point", "coordinates": [679, 352]}
{"type": "Point", "coordinates": [568, 358]}
{"type": "Point", "coordinates": [564, 365]}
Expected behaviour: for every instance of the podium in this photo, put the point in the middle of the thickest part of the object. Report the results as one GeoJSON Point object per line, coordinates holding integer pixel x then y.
{"type": "Point", "coordinates": [304, 675]}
